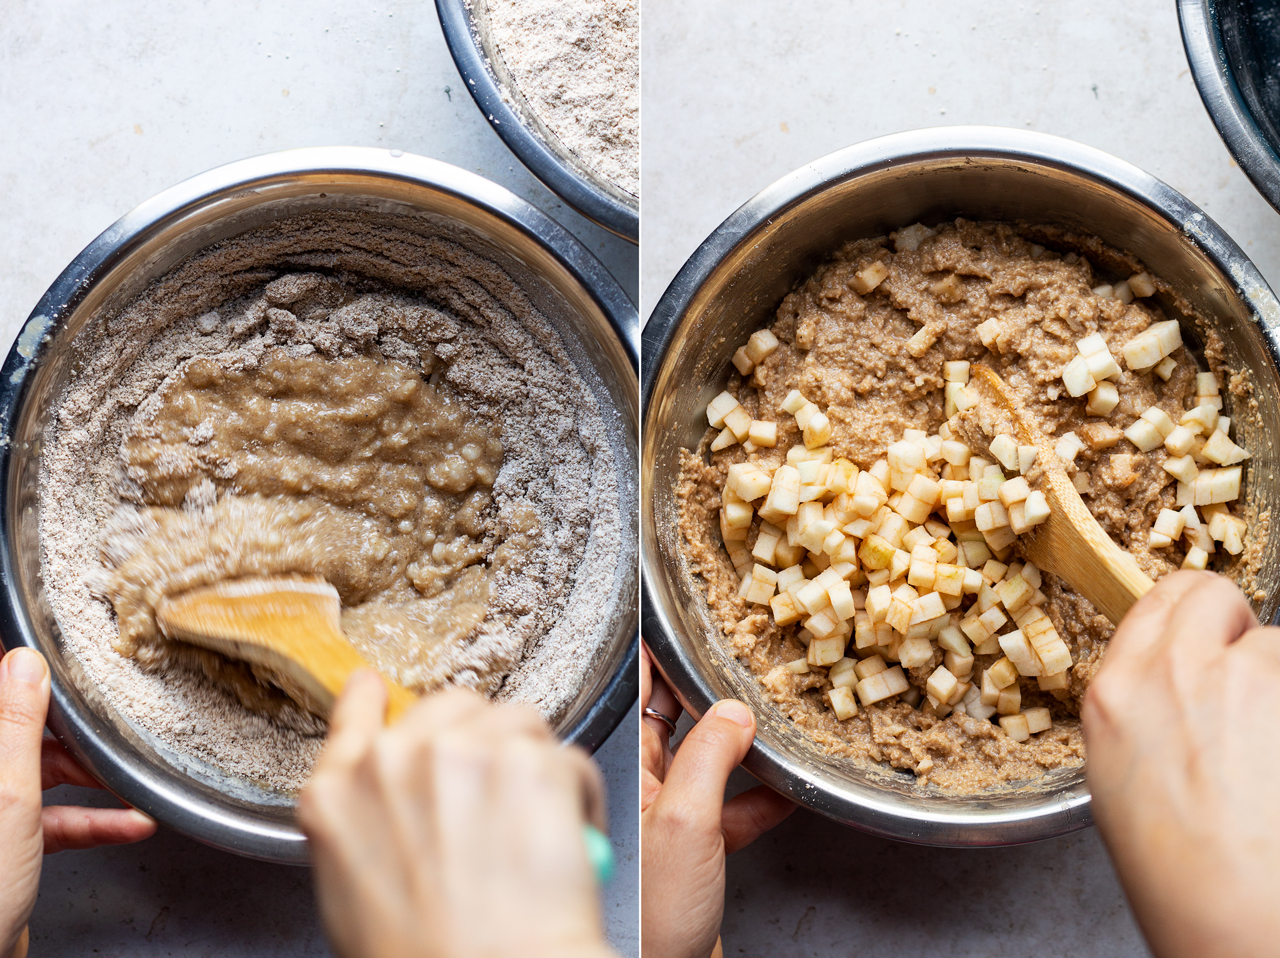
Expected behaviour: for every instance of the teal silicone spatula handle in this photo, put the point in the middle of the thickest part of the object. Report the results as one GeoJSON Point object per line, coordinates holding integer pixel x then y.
{"type": "Point", "coordinates": [599, 853]}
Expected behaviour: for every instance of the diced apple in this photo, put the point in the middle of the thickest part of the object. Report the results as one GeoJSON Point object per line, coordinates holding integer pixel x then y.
{"type": "Point", "coordinates": [720, 407]}
{"type": "Point", "coordinates": [843, 703]}
{"type": "Point", "coordinates": [793, 402]}
{"type": "Point", "coordinates": [1015, 726]}
{"type": "Point", "coordinates": [1102, 399]}
{"type": "Point", "coordinates": [826, 651]}
{"type": "Point", "coordinates": [868, 278]}
{"type": "Point", "coordinates": [738, 420]}
{"type": "Point", "coordinates": [1076, 378]}
{"type": "Point", "coordinates": [1005, 449]}
{"type": "Point", "coordinates": [1018, 650]}
{"type": "Point", "coordinates": [1038, 720]}
{"type": "Point", "coordinates": [761, 344]}
{"type": "Point", "coordinates": [1142, 285]}
{"type": "Point", "coordinates": [883, 685]}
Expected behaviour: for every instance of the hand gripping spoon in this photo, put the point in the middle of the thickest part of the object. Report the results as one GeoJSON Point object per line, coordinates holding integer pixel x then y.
{"type": "Point", "coordinates": [1070, 543]}
{"type": "Point", "coordinates": [294, 628]}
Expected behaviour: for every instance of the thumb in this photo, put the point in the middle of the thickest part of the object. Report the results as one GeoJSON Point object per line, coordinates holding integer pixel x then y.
{"type": "Point", "coordinates": [24, 700]}
{"type": "Point", "coordinates": [699, 772]}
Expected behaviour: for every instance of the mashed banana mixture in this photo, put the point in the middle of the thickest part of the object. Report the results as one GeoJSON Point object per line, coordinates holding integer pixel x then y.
{"type": "Point", "coordinates": [331, 396]}
{"type": "Point", "coordinates": [866, 339]}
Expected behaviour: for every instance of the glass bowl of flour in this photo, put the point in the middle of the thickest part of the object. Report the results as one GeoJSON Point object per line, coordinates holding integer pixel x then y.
{"type": "Point", "coordinates": [560, 83]}
{"type": "Point", "coordinates": [338, 262]}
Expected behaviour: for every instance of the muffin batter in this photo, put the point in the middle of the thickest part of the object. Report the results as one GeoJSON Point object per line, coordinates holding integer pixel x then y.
{"type": "Point", "coordinates": [848, 352]}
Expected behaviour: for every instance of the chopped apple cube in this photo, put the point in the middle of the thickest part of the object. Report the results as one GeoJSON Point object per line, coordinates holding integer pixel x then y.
{"type": "Point", "coordinates": [991, 516]}
{"type": "Point", "coordinates": [1164, 369]}
{"type": "Point", "coordinates": [720, 407]}
{"type": "Point", "coordinates": [763, 433]}
{"type": "Point", "coordinates": [1015, 726]}
{"type": "Point", "coordinates": [914, 651]}
{"type": "Point", "coordinates": [1014, 490]}
{"type": "Point", "coordinates": [867, 279]}
{"type": "Point", "coordinates": [1142, 285]}
{"type": "Point", "coordinates": [1203, 419]}
{"type": "Point", "coordinates": [761, 344]}
{"type": "Point", "coordinates": [817, 431]}
{"type": "Point", "coordinates": [826, 650]}
{"type": "Point", "coordinates": [1093, 343]}
{"type": "Point", "coordinates": [941, 683]}
{"type": "Point", "coordinates": [1076, 378]}
{"type": "Point", "coordinates": [1216, 485]}
{"type": "Point", "coordinates": [785, 610]}
{"type": "Point", "coordinates": [1009, 701]}
{"type": "Point", "coordinates": [1052, 683]}
{"type": "Point", "coordinates": [1207, 384]}
{"type": "Point", "coordinates": [1160, 419]}
{"type": "Point", "coordinates": [1005, 449]}
{"type": "Point", "coordinates": [1196, 558]}
{"type": "Point", "coordinates": [1018, 650]}
{"type": "Point", "coordinates": [738, 420]}
{"type": "Point", "coordinates": [742, 362]}
{"type": "Point", "coordinates": [724, 440]}
{"type": "Point", "coordinates": [1027, 458]}
{"type": "Point", "coordinates": [926, 607]}
{"type": "Point", "coordinates": [956, 371]}
{"type": "Point", "coordinates": [1220, 449]}
{"type": "Point", "coordinates": [1036, 508]}
{"type": "Point", "coordinates": [883, 685]}
{"type": "Point", "coordinates": [843, 703]}
{"type": "Point", "coordinates": [784, 496]}
{"type": "Point", "coordinates": [1144, 435]}
{"type": "Point", "coordinates": [1068, 447]}
{"type": "Point", "coordinates": [1038, 720]}
{"type": "Point", "coordinates": [793, 402]}
{"type": "Point", "coordinates": [1102, 399]}
{"type": "Point", "coordinates": [1102, 366]}
{"type": "Point", "coordinates": [975, 706]}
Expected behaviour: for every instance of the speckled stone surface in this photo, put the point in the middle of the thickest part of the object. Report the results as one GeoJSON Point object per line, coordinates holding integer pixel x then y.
{"type": "Point", "coordinates": [737, 93]}
{"type": "Point", "coordinates": [103, 105]}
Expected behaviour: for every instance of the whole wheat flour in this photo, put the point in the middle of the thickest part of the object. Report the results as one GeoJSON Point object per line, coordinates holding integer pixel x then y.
{"type": "Point", "coordinates": [578, 65]}
{"type": "Point", "coordinates": [338, 286]}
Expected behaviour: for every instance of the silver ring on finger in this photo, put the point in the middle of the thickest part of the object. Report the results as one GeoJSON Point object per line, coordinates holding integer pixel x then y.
{"type": "Point", "coordinates": [654, 713]}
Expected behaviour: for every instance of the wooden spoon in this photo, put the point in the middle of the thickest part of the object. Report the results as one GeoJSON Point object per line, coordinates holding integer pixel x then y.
{"type": "Point", "coordinates": [1070, 543]}
{"type": "Point", "coordinates": [290, 626]}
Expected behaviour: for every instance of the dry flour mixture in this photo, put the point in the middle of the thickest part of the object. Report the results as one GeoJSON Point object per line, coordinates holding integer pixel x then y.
{"type": "Point", "coordinates": [578, 65]}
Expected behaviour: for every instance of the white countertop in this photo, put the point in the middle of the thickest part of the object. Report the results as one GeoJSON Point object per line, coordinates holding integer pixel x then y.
{"type": "Point", "coordinates": [103, 105]}
{"type": "Point", "coordinates": [737, 93]}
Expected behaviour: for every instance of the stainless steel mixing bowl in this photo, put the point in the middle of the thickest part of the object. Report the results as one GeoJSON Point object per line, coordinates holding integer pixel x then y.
{"type": "Point", "coordinates": [593, 316]}
{"type": "Point", "coordinates": [1233, 48]}
{"type": "Point", "coordinates": [466, 31]}
{"type": "Point", "coordinates": [733, 284]}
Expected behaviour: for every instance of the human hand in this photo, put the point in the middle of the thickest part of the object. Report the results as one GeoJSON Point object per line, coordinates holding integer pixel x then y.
{"type": "Point", "coordinates": [30, 762]}
{"type": "Point", "coordinates": [686, 827]}
{"type": "Point", "coordinates": [1184, 767]}
{"type": "Point", "coordinates": [455, 832]}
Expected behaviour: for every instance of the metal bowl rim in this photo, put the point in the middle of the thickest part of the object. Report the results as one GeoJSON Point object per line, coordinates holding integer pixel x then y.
{"type": "Point", "coordinates": [939, 827]}
{"type": "Point", "coordinates": [1223, 99]}
{"type": "Point", "coordinates": [128, 775]}
{"type": "Point", "coordinates": [579, 191]}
